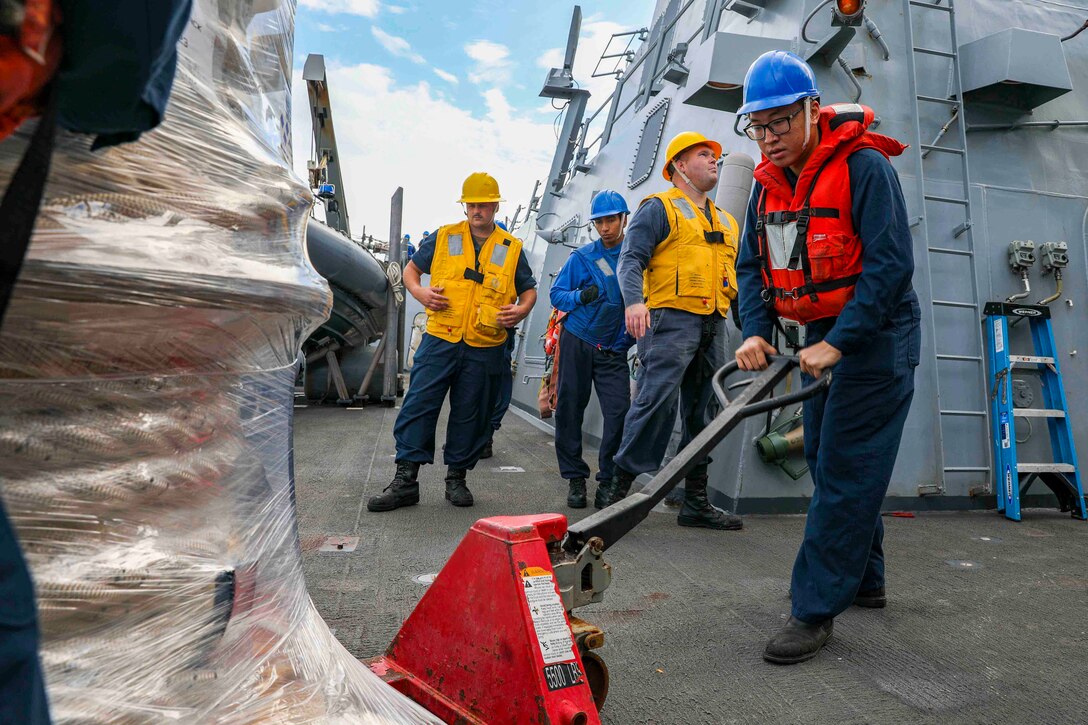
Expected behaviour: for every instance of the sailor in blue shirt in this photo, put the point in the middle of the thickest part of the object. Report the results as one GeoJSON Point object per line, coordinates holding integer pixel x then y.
{"type": "Point", "coordinates": [592, 347]}
{"type": "Point", "coordinates": [852, 429]}
{"type": "Point", "coordinates": [461, 355]}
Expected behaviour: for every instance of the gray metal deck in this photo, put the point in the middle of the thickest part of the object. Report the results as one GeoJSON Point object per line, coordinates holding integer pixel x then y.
{"type": "Point", "coordinates": [987, 619]}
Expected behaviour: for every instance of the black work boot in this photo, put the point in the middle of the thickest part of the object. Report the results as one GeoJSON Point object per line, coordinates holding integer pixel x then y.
{"type": "Point", "coordinates": [488, 450]}
{"type": "Point", "coordinates": [457, 492]}
{"type": "Point", "coordinates": [697, 510]}
{"type": "Point", "coordinates": [873, 599]}
{"type": "Point", "coordinates": [615, 490]}
{"type": "Point", "coordinates": [576, 498]}
{"type": "Point", "coordinates": [402, 491]}
{"type": "Point", "coordinates": [797, 641]}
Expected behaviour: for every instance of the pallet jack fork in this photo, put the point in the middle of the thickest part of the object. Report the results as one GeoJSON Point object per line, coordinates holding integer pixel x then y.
{"type": "Point", "coordinates": [494, 641]}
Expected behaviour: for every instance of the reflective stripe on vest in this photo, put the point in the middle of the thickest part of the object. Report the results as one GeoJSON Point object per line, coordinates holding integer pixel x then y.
{"type": "Point", "coordinates": [476, 291]}
{"type": "Point", "coordinates": [694, 267]}
{"type": "Point", "coordinates": [809, 251]}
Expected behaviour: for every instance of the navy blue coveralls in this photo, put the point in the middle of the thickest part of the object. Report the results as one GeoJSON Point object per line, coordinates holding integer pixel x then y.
{"type": "Point", "coordinates": [853, 429]}
{"type": "Point", "coordinates": [593, 353]}
{"type": "Point", "coordinates": [678, 354]}
{"type": "Point", "coordinates": [470, 375]}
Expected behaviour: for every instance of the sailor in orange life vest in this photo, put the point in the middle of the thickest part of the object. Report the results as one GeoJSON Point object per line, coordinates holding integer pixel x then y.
{"type": "Point", "coordinates": [481, 286]}
{"type": "Point", "coordinates": [827, 243]}
{"type": "Point", "coordinates": [677, 276]}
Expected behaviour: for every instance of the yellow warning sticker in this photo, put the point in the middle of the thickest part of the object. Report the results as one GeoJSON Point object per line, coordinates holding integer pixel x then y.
{"type": "Point", "coordinates": [549, 620]}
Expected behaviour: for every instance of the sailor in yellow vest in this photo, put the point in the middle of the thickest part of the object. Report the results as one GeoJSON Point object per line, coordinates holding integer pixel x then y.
{"type": "Point", "coordinates": [481, 286]}
{"type": "Point", "coordinates": [678, 278]}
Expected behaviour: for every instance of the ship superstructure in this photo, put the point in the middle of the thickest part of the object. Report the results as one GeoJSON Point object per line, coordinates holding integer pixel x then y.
{"type": "Point", "coordinates": [985, 92]}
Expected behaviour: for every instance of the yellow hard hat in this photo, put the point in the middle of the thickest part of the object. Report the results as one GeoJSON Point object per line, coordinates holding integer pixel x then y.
{"type": "Point", "coordinates": [479, 187]}
{"type": "Point", "coordinates": [682, 142]}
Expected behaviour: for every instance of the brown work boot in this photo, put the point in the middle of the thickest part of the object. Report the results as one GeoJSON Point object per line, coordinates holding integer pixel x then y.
{"type": "Point", "coordinates": [698, 511]}
{"type": "Point", "coordinates": [403, 490]}
{"type": "Point", "coordinates": [457, 492]}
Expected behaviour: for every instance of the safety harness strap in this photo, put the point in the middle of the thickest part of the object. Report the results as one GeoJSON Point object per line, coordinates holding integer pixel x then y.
{"type": "Point", "coordinates": [799, 253]}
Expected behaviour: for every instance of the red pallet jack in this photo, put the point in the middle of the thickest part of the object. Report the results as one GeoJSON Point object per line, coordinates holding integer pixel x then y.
{"type": "Point", "coordinates": [494, 641]}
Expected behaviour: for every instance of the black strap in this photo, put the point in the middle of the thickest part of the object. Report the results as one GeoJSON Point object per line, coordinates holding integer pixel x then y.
{"type": "Point", "coordinates": [784, 217]}
{"type": "Point", "coordinates": [472, 274]}
{"type": "Point", "coordinates": [22, 199]}
{"type": "Point", "coordinates": [834, 284]}
{"type": "Point", "coordinates": [734, 311]}
{"type": "Point", "coordinates": [801, 246]}
{"type": "Point", "coordinates": [714, 237]}
{"type": "Point", "coordinates": [778, 293]}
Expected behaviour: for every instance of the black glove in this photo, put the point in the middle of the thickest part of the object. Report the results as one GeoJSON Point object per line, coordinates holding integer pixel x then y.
{"type": "Point", "coordinates": [589, 294]}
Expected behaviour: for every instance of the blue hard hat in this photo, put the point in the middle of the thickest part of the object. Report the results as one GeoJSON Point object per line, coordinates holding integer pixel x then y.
{"type": "Point", "coordinates": [502, 226]}
{"type": "Point", "coordinates": [777, 78]}
{"type": "Point", "coordinates": [607, 203]}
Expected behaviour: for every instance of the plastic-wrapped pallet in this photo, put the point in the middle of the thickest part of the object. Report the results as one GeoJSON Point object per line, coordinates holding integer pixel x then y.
{"type": "Point", "coordinates": [147, 369]}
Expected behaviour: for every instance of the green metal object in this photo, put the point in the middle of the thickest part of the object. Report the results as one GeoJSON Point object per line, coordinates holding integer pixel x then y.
{"type": "Point", "coordinates": [782, 443]}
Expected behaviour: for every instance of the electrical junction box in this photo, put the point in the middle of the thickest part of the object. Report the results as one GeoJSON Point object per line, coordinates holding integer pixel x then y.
{"type": "Point", "coordinates": [1021, 254]}
{"type": "Point", "coordinates": [1055, 255]}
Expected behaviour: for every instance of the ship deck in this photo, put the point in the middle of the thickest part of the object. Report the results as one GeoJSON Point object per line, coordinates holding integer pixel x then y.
{"type": "Point", "coordinates": [987, 620]}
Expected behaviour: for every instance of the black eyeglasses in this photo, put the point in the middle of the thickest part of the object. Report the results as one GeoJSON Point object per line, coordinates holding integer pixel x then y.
{"type": "Point", "coordinates": [779, 127]}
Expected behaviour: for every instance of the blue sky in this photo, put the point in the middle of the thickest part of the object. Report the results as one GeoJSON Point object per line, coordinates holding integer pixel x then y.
{"type": "Point", "coordinates": [426, 92]}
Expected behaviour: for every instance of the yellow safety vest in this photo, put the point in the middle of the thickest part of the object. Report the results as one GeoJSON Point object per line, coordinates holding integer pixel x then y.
{"type": "Point", "coordinates": [695, 267]}
{"type": "Point", "coordinates": [475, 291]}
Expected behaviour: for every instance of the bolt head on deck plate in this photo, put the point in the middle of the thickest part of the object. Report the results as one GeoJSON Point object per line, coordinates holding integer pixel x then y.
{"type": "Point", "coordinates": [339, 544]}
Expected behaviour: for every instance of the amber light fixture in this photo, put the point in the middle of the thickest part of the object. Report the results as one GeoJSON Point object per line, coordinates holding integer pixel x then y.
{"type": "Point", "coordinates": [849, 12]}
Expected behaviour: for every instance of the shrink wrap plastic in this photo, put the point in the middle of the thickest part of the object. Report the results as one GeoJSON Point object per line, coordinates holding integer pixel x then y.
{"type": "Point", "coordinates": [147, 370]}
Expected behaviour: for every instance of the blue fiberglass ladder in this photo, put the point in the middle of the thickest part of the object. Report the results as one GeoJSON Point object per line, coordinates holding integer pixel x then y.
{"type": "Point", "coordinates": [1013, 477]}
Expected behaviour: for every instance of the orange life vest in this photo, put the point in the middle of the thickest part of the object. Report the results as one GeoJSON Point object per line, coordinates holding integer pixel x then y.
{"type": "Point", "coordinates": [809, 251]}
{"type": "Point", "coordinates": [28, 60]}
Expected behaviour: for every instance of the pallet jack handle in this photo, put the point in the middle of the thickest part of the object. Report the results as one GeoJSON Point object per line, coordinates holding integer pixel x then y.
{"type": "Point", "coordinates": [610, 524]}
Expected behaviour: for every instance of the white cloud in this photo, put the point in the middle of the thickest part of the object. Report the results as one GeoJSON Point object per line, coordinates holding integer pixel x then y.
{"type": "Point", "coordinates": [366, 8]}
{"type": "Point", "coordinates": [396, 9]}
{"type": "Point", "coordinates": [551, 58]}
{"type": "Point", "coordinates": [325, 28]}
{"type": "Point", "coordinates": [498, 108]}
{"type": "Point", "coordinates": [448, 77]}
{"type": "Point", "coordinates": [492, 60]}
{"type": "Point", "coordinates": [422, 142]}
{"type": "Point", "coordinates": [397, 46]}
